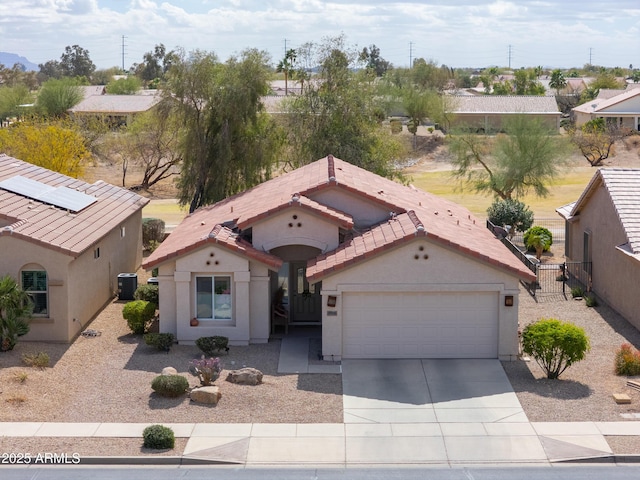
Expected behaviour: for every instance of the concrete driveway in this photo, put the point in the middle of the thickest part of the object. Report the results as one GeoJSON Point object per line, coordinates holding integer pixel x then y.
{"type": "Point", "coordinates": [426, 391]}
{"type": "Point", "coordinates": [425, 411]}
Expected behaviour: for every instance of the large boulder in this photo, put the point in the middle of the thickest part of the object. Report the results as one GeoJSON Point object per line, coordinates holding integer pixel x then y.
{"type": "Point", "coordinates": [169, 371]}
{"type": "Point", "coordinates": [208, 395]}
{"type": "Point", "coordinates": [245, 376]}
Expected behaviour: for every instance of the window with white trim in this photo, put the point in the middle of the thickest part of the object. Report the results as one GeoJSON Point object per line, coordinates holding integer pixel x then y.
{"type": "Point", "coordinates": [214, 298]}
{"type": "Point", "coordinates": [34, 282]}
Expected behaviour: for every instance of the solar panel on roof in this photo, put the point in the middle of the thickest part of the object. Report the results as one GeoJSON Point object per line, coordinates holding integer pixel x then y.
{"type": "Point", "coordinates": [62, 197]}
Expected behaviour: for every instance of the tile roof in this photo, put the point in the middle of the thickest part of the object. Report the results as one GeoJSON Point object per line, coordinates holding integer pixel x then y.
{"type": "Point", "coordinates": [114, 104]}
{"type": "Point", "coordinates": [412, 213]}
{"type": "Point", "coordinates": [56, 228]}
{"type": "Point", "coordinates": [530, 104]}
{"type": "Point", "coordinates": [602, 104]}
{"type": "Point", "coordinates": [623, 186]}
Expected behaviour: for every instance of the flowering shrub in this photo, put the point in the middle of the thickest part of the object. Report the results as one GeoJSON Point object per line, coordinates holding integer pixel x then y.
{"type": "Point", "coordinates": [627, 360]}
{"type": "Point", "coordinates": [206, 369]}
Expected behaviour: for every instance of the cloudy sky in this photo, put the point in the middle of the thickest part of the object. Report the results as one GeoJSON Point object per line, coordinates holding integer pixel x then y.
{"type": "Point", "coordinates": [459, 33]}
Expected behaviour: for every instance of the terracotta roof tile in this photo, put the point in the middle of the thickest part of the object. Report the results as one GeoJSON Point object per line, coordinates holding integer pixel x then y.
{"type": "Point", "coordinates": [54, 227]}
{"type": "Point", "coordinates": [443, 221]}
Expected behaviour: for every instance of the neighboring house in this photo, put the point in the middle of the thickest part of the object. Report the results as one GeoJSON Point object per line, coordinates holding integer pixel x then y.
{"type": "Point", "coordinates": [118, 109]}
{"type": "Point", "coordinates": [487, 113]}
{"type": "Point", "coordinates": [622, 110]}
{"type": "Point", "coordinates": [603, 227]}
{"type": "Point", "coordinates": [65, 241]}
{"type": "Point", "coordinates": [90, 90]}
{"type": "Point", "coordinates": [387, 270]}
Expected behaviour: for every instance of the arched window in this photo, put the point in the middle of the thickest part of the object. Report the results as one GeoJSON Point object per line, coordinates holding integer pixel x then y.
{"type": "Point", "coordinates": [34, 282]}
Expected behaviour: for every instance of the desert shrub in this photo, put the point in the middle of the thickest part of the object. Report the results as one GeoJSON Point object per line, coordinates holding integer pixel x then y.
{"type": "Point", "coordinates": [591, 301]}
{"type": "Point", "coordinates": [139, 315]}
{"type": "Point", "coordinates": [206, 369]}
{"type": "Point", "coordinates": [158, 437]}
{"type": "Point", "coordinates": [510, 212]}
{"type": "Point", "coordinates": [36, 360]}
{"type": "Point", "coordinates": [152, 231]}
{"type": "Point", "coordinates": [148, 293]}
{"type": "Point", "coordinates": [396, 126]}
{"type": "Point", "coordinates": [162, 341]}
{"type": "Point", "coordinates": [627, 361]}
{"type": "Point", "coordinates": [555, 345]}
{"type": "Point", "coordinates": [538, 235]}
{"type": "Point", "coordinates": [154, 272]}
{"type": "Point", "coordinates": [170, 385]}
{"type": "Point", "coordinates": [20, 377]}
{"type": "Point", "coordinates": [212, 345]}
{"type": "Point", "coordinates": [577, 292]}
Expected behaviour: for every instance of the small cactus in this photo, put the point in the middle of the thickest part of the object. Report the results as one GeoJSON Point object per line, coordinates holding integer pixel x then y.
{"type": "Point", "coordinates": [206, 369]}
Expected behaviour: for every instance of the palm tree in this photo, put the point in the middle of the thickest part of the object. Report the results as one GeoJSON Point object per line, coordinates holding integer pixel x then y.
{"type": "Point", "coordinates": [286, 66]}
{"type": "Point", "coordinates": [15, 308]}
{"type": "Point", "coordinates": [557, 81]}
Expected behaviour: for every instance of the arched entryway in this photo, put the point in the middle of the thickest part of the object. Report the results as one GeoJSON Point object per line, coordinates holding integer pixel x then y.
{"type": "Point", "coordinates": [301, 299]}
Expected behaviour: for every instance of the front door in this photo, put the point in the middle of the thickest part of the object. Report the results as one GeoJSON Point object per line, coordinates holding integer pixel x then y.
{"type": "Point", "coordinates": [305, 300]}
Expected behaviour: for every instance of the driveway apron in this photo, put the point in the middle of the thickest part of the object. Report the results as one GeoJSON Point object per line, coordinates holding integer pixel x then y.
{"type": "Point", "coordinates": [462, 410]}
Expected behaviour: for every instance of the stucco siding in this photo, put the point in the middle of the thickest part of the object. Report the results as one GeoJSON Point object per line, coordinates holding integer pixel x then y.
{"type": "Point", "coordinates": [295, 227]}
{"type": "Point", "coordinates": [615, 275]}
{"type": "Point", "coordinates": [442, 271]}
{"type": "Point", "coordinates": [93, 281]}
{"type": "Point", "coordinates": [365, 213]}
{"type": "Point", "coordinates": [18, 254]}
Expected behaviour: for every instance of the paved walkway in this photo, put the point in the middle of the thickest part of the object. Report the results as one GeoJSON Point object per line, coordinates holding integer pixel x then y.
{"type": "Point", "coordinates": [458, 432]}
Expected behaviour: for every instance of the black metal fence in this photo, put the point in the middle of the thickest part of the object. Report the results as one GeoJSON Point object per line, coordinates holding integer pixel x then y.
{"type": "Point", "coordinates": [551, 278]}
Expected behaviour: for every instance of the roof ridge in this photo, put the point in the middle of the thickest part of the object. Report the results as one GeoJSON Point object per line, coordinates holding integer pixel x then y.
{"type": "Point", "coordinates": [331, 169]}
{"type": "Point", "coordinates": [416, 222]}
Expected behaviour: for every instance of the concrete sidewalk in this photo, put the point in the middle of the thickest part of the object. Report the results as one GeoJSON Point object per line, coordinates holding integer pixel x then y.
{"type": "Point", "coordinates": [344, 445]}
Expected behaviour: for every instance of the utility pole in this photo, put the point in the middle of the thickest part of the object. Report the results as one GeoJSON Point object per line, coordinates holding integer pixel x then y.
{"type": "Point", "coordinates": [590, 53]}
{"type": "Point", "coordinates": [285, 47]}
{"type": "Point", "coordinates": [509, 57]}
{"type": "Point", "coordinates": [123, 45]}
{"type": "Point", "coordinates": [410, 54]}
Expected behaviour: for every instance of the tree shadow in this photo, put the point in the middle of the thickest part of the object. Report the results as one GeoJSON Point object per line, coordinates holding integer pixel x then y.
{"type": "Point", "coordinates": [327, 383]}
{"type": "Point", "coordinates": [522, 380]}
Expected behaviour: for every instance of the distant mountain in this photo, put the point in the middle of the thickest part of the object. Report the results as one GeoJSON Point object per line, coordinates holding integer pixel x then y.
{"type": "Point", "coordinates": [10, 59]}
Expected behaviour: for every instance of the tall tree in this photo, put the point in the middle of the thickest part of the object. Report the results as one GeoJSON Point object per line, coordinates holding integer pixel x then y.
{"type": "Point", "coordinates": [76, 62]}
{"type": "Point", "coordinates": [557, 80]}
{"type": "Point", "coordinates": [12, 100]}
{"type": "Point", "coordinates": [155, 64]}
{"type": "Point", "coordinates": [418, 106]}
{"type": "Point", "coordinates": [338, 114]}
{"type": "Point", "coordinates": [374, 62]}
{"type": "Point", "coordinates": [58, 96]}
{"type": "Point", "coordinates": [528, 157]}
{"type": "Point", "coordinates": [229, 142]}
{"type": "Point", "coordinates": [287, 66]}
{"type": "Point", "coordinates": [124, 86]}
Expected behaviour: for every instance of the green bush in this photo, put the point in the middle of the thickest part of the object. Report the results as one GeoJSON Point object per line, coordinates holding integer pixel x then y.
{"type": "Point", "coordinates": [577, 292]}
{"type": "Point", "coordinates": [591, 301]}
{"type": "Point", "coordinates": [396, 126]}
{"type": "Point", "coordinates": [158, 437]}
{"type": "Point", "coordinates": [139, 315]}
{"type": "Point", "coordinates": [538, 234]}
{"type": "Point", "coordinates": [36, 360]}
{"type": "Point", "coordinates": [170, 385]}
{"type": "Point", "coordinates": [162, 341]}
{"type": "Point", "coordinates": [152, 232]}
{"type": "Point", "coordinates": [627, 360]}
{"type": "Point", "coordinates": [211, 345]}
{"type": "Point", "coordinates": [555, 345]}
{"type": "Point", "coordinates": [510, 212]}
{"type": "Point", "coordinates": [148, 293]}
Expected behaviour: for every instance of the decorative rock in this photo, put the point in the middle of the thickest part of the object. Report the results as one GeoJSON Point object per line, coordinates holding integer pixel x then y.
{"type": "Point", "coordinates": [245, 376]}
{"type": "Point", "coordinates": [621, 398]}
{"type": "Point", "coordinates": [169, 371]}
{"type": "Point", "coordinates": [209, 395]}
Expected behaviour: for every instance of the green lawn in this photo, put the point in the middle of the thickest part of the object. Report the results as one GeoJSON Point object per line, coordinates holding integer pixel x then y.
{"type": "Point", "coordinates": [566, 189]}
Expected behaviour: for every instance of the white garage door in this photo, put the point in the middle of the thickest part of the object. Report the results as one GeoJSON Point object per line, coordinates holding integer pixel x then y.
{"type": "Point", "coordinates": [420, 325]}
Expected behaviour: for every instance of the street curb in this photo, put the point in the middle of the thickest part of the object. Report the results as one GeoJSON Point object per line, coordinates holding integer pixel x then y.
{"type": "Point", "coordinates": [150, 460]}
{"type": "Point", "coordinates": [623, 458]}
